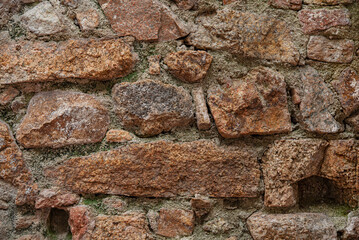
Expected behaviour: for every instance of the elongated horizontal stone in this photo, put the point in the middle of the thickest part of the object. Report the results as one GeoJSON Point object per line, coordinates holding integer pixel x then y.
{"type": "Point", "coordinates": [164, 169]}
{"type": "Point", "coordinates": [286, 4]}
{"type": "Point", "coordinates": [328, 2]}
{"type": "Point", "coordinates": [37, 61]}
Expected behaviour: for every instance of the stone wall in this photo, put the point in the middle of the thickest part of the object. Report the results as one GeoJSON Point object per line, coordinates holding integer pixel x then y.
{"type": "Point", "coordinates": [183, 119]}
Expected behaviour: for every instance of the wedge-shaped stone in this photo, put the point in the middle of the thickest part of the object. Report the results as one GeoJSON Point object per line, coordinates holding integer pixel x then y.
{"type": "Point", "coordinates": [151, 107]}
{"type": "Point", "coordinates": [60, 118]}
{"type": "Point", "coordinates": [148, 20]}
{"type": "Point", "coordinates": [164, 169]}
{"type": "Point", "coordinates": [37, 61]}
{"type": "Point", "coordinates": [291, 226]}
{"type": "Point", "coordinates": [246, 34]}
{"type": "Point", "coordinates": [256, 104]}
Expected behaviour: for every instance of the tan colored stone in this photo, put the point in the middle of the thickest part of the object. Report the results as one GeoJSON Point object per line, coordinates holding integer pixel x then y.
{"type": "Point", "coordinates": [146, 20]}
{"type": "Point", "coordinates": [88, 20]}
{"type": "Point", "coordinates": [245, 34]}
{"type": "Point", "coordinates": [81, 222]}
{"type": "Point", "coordinates": [175, 222]}
{"type": "Point", "coordinates": [203, 121]}
{"type": "Point", "coordinates": [114, 204]}
{"type": "Point", "coordinates": [327, 2]}
{"type": "Point", "coordinates": [60, 118]}
{"type": "Point", "coordinates": [8, 95]}
{"type": "Point", "coordinates": [347, 87]}
{"type": "Point", "coordinates": [150, 107]}
{"type": "Point", "coordinates": [118, 135]}
{"type": "Point", "coordinates": [256, 104]}
{"type": "Point", "coordinates": [164, 169]}
{"type": "Point", "coordinates": [351, 231]}
{"type": "Point", "coordinates": [55, 198]}
{"type": "Point", "coordinates": [316, 101]}
{"type": "Point", "coordinates": [26, 61]}
{"type": "Point", "coordinates": [217, 226]}
{"type": "Point", "coordinates": [7, 9]}
{"type": "Point", "coordinates": [291, 226]}
{"type": "Point", "coordinates": [333, 51]}
{"type": "Point", "coordinates": [36, 236]}
{"type": "Point", "coordinates": [201, 206]}
{"type": "Point", "coordinates": [285, 163]}
{"type": "Point", "coordinates": [13, 168]}
{"type": "Point", "coordinates": [315, 20]}
{"type": "Point", "coordinates": [186, 4]}
{"type": "Point", "coordinates": [286, 4]}
{"type": "Point", "coordinates": [127, 226]}
{"type": "Point", "coordinates": [189, 66]}
{"type": "Point", "coordinates": [154, 65]}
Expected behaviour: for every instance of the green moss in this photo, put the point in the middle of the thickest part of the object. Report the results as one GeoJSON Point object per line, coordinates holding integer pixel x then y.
{"type": "Point", "coordinates": [15, 31]}
{"type": "Point", "coordinates": [95, 202]}
{"type": "Point", "coordinates": [51, 235]}
{"type": "Point", "coordinates": [132, 77]}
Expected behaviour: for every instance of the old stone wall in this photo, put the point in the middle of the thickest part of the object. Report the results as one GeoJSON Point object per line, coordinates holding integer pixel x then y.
{"type": "Point", "coordinates": [182, 119]}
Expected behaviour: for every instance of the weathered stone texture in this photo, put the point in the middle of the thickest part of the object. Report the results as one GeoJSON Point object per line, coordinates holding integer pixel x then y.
{"type": "Point", "coordinates": [7, 9]}
{"type": "Point", "coordinates": [256, 104]}
{"type": "Point", "coordinates": [352, 230]}
{"type": "Point", "coordinates": [60, 118]}
{"type": "Point", "coordinates": [88, 20]}
{"type": "Point", "coordinates": [122, 227]}
{"type": "Point", "coordinates": [148, 20]}
{"type": "Point", "coordinates": [315, 102]}
{"type": "Point", "coordinates": [291, 226]}
{"type": "Point", "coordinates": [93, 59]}
{"type": "Point", "coordinates": [246, 34]}
{"type": "Point", "coordinates": [333, 51]}
{"type": "Point", "coordinates": [287, 162]}
{"type": "Point", "coordinates": [151, 107]}
{"type": "Point", "coordinates": [347, 87]}
{"type": "Point", "coordinates": [201, 206]}
{"type": "Point", "coordinates": [203, 121]}
{"type": "Point", "coordinates": [118, 135]}
{"type": "Point", "coordinates": [8, 95]}
{"type": "Point", "coordinates": [353, 121]}
{"type": "Point", "coordinates": [81, 222]}
{"type": "Point", "coordinates": [164, 169]}
{"type": "Point", "coordinates": [189, 66]}
{"type": "Point", "coordinates": [321, 19]}
{"type": "Point", "coordinates": [175, 222]}
{"type": "Point", "coordinates": [154, 64]}
{"type": "Point", "coordinates": [185, 4]}
{"type": "Point", "coordinates": [328, 2]}
{"type": "Point", "coordinates": [286, 4]}
{"type": "Point", "coordinates": [55, 198]}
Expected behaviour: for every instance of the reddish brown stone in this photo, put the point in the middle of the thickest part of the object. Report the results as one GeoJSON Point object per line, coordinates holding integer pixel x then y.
{"type": "Point", "coordinates": [13, 168]}
{"type": "Point", "coordinates": [186, 4]}
{"type": "Point", "coordinates": [122, 227]}
{"type": "Point", "coordinates": [201, 206]}
{"type": "Point", "coordinates": [81, 222]}
{"type": "Point", "coordinates": [189, 66]}
{"type": "Point", "coordinates": [347, 87]}
{"type": "Point", "coordinates": [8, 95]}
{"type": "Point", "coordinates": [60, 118]}
{"type": "Point", "coordinates": [286, 4]}
{"type": "Point", "coordinates": [151, 107]}
{"type": "Point", "coordinates": [147, 20]}
{"type": "Point", "coordinates": [332, 51]}
{"type": "Point", "coordinates": [154, 62]}
{"type": "Point", "coordinates": [256, 104]}
{"type": "Point", "coordinates": [291, 226]}
{"type": "Point", "coordinates": [203, 121]}
{"type": "Point", "coordinates": [55, 198]}
{"type": "Point", "coordinates": [88, 20]}
{"type": "Point", "coordinates": [315, 20]}
{"type": "Point", "coordinates": [316, 100]}
{"type": "Point", "coordinates": [114, 204]}
{"type": "Point", "coordinates": [37, 61]}
{"type": "Point", "coordinates": [24, 222]}
{"type": "Point", "coordinates": [175, 222]}
{"type": "Point", "coordinates": [225, 2]}
{"type": "Point", "coordinates": [164, 169]}
{"type": "Point", "coordinates": [328, 2]}
{"type": "Point", "coordinates": [118, 135]}
{"type": "Point", "coordinates": [246, 34]}
{"type": "Point", "coordinates": [285, 163]}
{"type": "Point", "coordinates": [354, 122]}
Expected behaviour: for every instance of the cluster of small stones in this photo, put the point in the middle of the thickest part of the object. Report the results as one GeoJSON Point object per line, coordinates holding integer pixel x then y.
{"type": "Point", "coordinates": [184, 119]}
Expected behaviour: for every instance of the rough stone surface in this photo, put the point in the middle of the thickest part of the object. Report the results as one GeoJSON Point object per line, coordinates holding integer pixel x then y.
{"type": "Point", "coordinates": [59, 118]}
{"type": "Point", "coordinates": [333, 51]}
{"type": "Point", "coordinates": [146, 20]}
{"type": "Point", "coordinates": [291, 226]}
{"type": "Point", "coordinates": [189, 66]}
{"type": "Point", "coordinates": [287, 162]}
{"type": "Point", "coordinates": [8, 95]}
{"type": "Point", "coordinates": [175, 222]}
{"type": "Point", "coordinates": [27, 61]}
{"type": "Point", "coordinates": [13, 168]}
{"type": "Point", "coordinates": [185, 4]}
{"type": "Point", "coordinates": [54, 198]}
{"type": "Point", "coordinates": [114, 204]}
{"type": "Point", "coordinates": [154, 62]}
{"type": "Point", "coordinates": [203, 120]}
{"type": "Point", "coordinates": [347, 87]}
{"type": "Point", "coordinates": [43, 20]}
{"type": "Point", "coordinates": [256, 104]}
{"type": "Point", "coordinates": [164, 169]}
{"type": "Point", "coordinates": [246, 34]}
{"type": "Point", "coordinates": [81, 222]}
{"type": "Point", "coordinates": [7, 9]}
{"type": "Point", "coordinates": [315, 20]}
{"type": "Point", "coordinates": [327, 2]}
{"type": "Point", "coordinates": [24, 222]}
{"type": "Point", "coordinates": [151, 107]}
{"type": "Point", "coordinates": [286, 4]}
{"type": "Point", "coordinates": [316, 100]}
{"type": "Point", "coordinates": [122, 227]}
{"type": "Point", "coordinates": [118, 135]}
{"type": "Point", "coordinates": [201, 206]}
{"type": "Point", "coordinates": [354, 122]}
{"type": "Point", "coordinates": [352, 230]}
{"type": "Point", "coordinates": [218, 225]}
{"type": "Point", "coordinates": [88, 20]}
